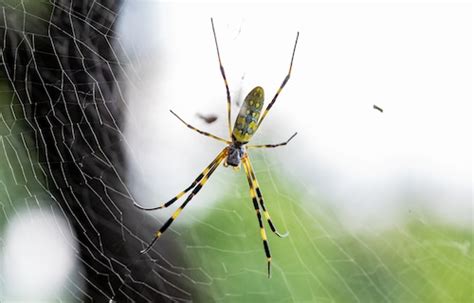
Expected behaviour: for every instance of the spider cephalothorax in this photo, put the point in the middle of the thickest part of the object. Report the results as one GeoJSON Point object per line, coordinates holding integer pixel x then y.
{"type": "Point", "coordinates": [235, 153]}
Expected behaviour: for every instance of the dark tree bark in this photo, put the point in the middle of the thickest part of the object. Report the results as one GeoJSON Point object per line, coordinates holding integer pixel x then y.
{"type": "Point", "coordinates": [64, 71]}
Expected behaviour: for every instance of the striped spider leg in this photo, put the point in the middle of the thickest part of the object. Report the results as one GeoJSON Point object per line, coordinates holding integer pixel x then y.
{"type": "Point", "coordinates": [256, 187]}
{"type": "Point", "coordinates": [246, 124]}
{"type": "Point", "coordinates": [196, 185]}
{"type": "Point", "coordinates": [256, 195]}
{"type": "Point", "coordinates": [205, 173]}
{"type": "Point", "coordinates": [221, 67]}
{"type": "Point", "coordinates": [272, 145]}
{"type": "Point", "coordinates": [269, 106]}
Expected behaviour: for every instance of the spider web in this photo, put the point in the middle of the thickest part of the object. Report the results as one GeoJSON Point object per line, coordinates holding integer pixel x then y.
{"type": "Point", "coordinates": [85, 133]}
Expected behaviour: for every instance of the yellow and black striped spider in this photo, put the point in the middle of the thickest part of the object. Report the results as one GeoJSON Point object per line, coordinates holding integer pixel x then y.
{"type": "Point", "coordinates": [234, 153]}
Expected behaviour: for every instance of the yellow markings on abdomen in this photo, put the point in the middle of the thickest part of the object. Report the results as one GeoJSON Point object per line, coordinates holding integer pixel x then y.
{"type": "Point", "coordinates": [246, 123]}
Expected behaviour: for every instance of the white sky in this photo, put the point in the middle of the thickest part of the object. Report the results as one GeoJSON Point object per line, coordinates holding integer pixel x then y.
{"type": "Point", "coordinates": [414, 60]}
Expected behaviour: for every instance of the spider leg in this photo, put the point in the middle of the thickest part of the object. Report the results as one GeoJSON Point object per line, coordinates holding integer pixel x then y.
{"type": "Point", "coordinates": [272, 145]}
{"type": "Point", "coordinates": [256, 188]}
{"type": "Point", "coordinates": [225, 80]}
{"type": "Point", "coordinates": [195, 182]}
{"type": "Point", "coordinates": [200, 131]}
{"type": "Point", "coordinates": [269, 106]}
{"type": "Point", "coordinates": [263, 234]}
{"type": "Point", "coordinates": [176, 213]}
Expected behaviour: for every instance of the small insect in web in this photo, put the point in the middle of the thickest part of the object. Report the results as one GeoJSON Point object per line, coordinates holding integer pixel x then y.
{"type": "Point", "coordinates": [378, 108]}
{"type": "Point", "coordinates": [246, 124]}
{"type": "Point", "coordinates": [209, 119]}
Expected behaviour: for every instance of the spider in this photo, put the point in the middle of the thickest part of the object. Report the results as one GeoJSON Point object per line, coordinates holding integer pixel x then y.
{"type": "Point", "coordinates": [235, 153]}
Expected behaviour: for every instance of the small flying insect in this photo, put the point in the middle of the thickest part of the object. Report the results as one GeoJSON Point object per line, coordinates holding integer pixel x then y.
{"type": "Point", "coordinates": [378, 108]}
{"type": "Point", "coordinates": [234, 154]}
{"type": "Point", "coordinates": [209, 119]}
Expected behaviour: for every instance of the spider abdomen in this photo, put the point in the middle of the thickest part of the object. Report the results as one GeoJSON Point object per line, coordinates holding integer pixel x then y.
{"type": "Point", "coordinates": [247, 121]}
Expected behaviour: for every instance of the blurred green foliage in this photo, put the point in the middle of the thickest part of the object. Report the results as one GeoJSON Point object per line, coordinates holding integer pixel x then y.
{"type": "Point", "coordinates": [321, 260]}
{"type": "Point", "coordinates": [20, 174]}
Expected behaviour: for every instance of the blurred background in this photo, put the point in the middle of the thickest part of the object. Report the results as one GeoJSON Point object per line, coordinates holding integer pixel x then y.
{"type": "Point", "coordinates": [378, 204]}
